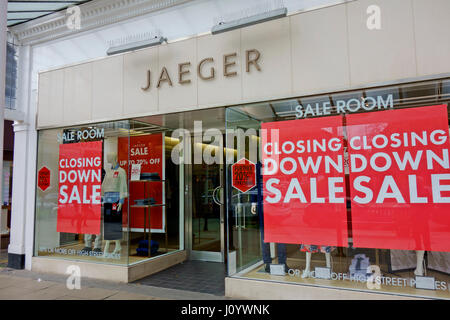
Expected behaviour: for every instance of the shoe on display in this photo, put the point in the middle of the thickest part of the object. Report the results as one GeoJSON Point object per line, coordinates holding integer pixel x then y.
{"type": "Point", "coordinates": [286, 268]}
{"type": "Point", "coordinates": [267, 268]}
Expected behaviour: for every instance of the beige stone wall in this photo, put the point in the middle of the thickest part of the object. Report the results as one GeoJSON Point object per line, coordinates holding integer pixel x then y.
{"type": "Point", "coordinates": [317, 51]}
{"type": "Point", "coordinates": [238, 288]}
{"type": "Point", "coordinates": [109, 272]}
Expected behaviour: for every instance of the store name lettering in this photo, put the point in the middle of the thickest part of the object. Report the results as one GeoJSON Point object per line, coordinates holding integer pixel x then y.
{"type": "Point", "coordinates": [252, 61]}
{"type": "Point", "coordinates": [344, 106]}
{"type": "Point", "coordinates": [75, 136]}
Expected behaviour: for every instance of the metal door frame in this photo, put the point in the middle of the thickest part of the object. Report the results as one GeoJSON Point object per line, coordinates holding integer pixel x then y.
{"type": "Point", "coordinates": [203, 255]}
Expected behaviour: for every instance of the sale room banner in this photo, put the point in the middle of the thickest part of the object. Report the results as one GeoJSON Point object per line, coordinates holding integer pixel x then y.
{"type": "Point", "coordinates": [304, 182]}
{"type": "Point", "coordinates": [400, 179]}
{"type": "Point", "coordinates": [146, 151]}
{"type": "Point", "coordinates": [80, 180]}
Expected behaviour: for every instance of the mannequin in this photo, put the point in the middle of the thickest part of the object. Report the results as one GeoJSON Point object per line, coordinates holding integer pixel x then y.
{"type": "Point", "coordinates": [114, 191]}
{"type": "Point", "coordinates": [88, 242]}
{"type": "Point", "coordinates": [314, 249]}
{"type": "Point", "coordinates": [419, 268]}
{"type": "Point", "coordinates": [98, 237]}
{"type": "Point", "coordinates": [258, 208]}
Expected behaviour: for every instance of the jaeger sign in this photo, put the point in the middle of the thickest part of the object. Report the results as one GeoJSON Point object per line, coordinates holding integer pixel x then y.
{"type": "Point", "coordinates": [252, 59]}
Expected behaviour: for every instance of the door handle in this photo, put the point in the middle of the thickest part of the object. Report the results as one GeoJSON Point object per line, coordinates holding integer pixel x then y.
{"type": "Point", "coordinates": [215, 199]}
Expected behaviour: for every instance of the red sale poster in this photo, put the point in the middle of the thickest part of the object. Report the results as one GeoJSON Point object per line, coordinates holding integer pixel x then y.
{"type": "Point", "coordinates": [146, 150]}
{"type": "Point", "coordinates": [304, 182]}
{"type": "Point", "coordinates": [80, 179]}
{"type": "Point", "coordinates": [400, 179]}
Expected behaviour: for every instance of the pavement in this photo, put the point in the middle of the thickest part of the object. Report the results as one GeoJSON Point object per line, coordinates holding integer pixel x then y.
{"type": "Point", "coordinates": [27, 285]}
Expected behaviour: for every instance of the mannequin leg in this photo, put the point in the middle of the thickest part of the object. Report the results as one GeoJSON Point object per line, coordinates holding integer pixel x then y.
{"type": "Point", "coordinates": [105, 252]}
{"type": "Point", "coordinates": [307, 272]}
{"type": "Point", "coordinates": [118, 247]}
{"type": "Point", "coordinates": [419, 267]}
{"type": "Point", "coordinates": [87, 240]}
{"type": "Point", "coordinates": [98, 242]}
{"type": "Point", "coordinates": [328, 259]}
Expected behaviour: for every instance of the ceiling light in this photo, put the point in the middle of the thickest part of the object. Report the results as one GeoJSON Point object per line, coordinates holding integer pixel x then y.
{"type": "Point", "coordinates": [136, 45]}
{"type": "Point", "coordinates": [248, 21]}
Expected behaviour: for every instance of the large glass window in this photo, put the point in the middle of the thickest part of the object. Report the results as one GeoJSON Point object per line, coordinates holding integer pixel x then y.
{"type": "Point", "coordinates": [11, 74]}
{"type": "Point", "coordinates": [107, 193]}
{"type": "Point", "coordinates": [352, 190]}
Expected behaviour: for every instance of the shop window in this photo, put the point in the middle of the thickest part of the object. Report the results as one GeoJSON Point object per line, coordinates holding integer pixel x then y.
{"type": "Point", "coordinates": [318, 218]}
{"type": "Point", "coordinates": [106, 193]}
{"type": "Point", "coordinates": [11, 75]}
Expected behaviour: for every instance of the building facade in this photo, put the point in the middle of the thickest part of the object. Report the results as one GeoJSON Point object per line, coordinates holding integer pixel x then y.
{"type": "Point", "coordinates": [307, 153]}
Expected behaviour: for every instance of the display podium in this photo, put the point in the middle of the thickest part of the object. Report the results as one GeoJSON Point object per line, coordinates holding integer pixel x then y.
{"type": "Point", "coordinates": [147, 213]}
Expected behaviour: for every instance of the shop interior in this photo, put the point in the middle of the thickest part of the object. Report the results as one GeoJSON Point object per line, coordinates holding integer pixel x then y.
{"type": "Point", "coordinates": [158, 193]}
{"type": "Point", "coordinates": [152, 192]}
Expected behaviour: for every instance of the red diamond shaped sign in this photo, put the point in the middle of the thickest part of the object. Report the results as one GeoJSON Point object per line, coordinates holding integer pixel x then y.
{"type": "Point", "coordinates": [244, 175]}
{"type": "Point", "coordinates": [44, 178]}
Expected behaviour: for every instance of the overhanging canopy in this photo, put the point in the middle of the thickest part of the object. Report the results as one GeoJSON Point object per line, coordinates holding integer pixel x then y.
{"type": "Point", "coordinates": [22, 11]}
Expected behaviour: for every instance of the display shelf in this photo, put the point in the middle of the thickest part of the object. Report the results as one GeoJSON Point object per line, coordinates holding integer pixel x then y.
{"type": "Point", "coordinates": [147, 216]}
{"type": "Point", "coordinates": [147, 205]}
{"type": "Point", "coordinates": [147, 180]}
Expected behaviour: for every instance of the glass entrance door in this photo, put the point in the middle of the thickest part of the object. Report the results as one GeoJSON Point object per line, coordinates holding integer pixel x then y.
{"type": "Point", "coordinates": [207, 236]}
{"type": "Point", "coordinates": [204, 186]}
{"type": "Point", "coordinates": [244, 217]}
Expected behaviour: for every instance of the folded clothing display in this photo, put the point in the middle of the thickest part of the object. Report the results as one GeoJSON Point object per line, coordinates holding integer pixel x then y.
{"type": "Point", "coordinates": [151, 176]}
{"type": "Point", "coordinates": [142, 250]}
{"type": "Point", "coordinates": [144, 202]}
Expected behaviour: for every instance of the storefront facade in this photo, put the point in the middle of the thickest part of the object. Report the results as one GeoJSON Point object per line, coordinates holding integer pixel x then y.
{"type": "Point", "coordinates": [322, 111]}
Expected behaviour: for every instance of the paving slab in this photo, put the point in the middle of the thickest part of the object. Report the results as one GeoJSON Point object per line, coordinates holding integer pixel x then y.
{"type": "Point", "coordinates": [32, 284]}
{"type": "Point", "coordinates": [50, 293]}
{"type": "Point", "coordinates": [16, 293]}
{"type": "Point", "coordinates": [6, 282]}
{"type": "Point", "coordinates": [92, 293]}
{"type": "Point", "coordinates": [68, 298]}
{"type": "Point", "coordinates": [23, 284]}
{"type": "Point", "coordinates": [130, 296]}
{"type": "Point", "coordinates": [41, 295]}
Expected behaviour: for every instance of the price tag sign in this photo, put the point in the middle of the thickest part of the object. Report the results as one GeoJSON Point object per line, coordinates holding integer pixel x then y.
{"type": "Point", "coordinates": [44, 178]}
{"type": "Point", "coordinates": [427, 283]}
{"type": "Point", "coordinates": [323, 273]}
{"type": "Point", "coordinates": [244, 175]}
{"type": "Point", "coordinates": [277, 270]}
{"type": "Point", "coordinates": [135, 172]}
